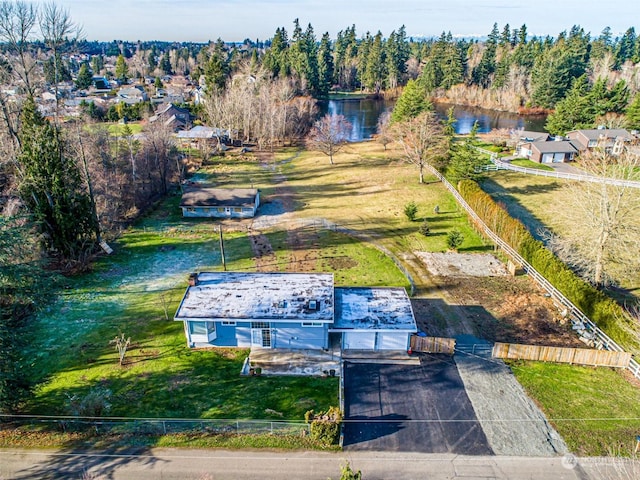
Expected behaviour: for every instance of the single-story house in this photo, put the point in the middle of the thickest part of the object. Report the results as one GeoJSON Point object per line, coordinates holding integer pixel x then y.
{"type": "Point", "coordinates": [268, 310]}
{"type": "Point", "coordinates": [292, 311]}
{"type": "Point", "coordinates": [198, 201]}
{"type": "Point", "coordinates": [549, 152]}
{"type": "Point", "coordinates": [172, 116]}
{"type": "Point", "coordinates": [611, 139]}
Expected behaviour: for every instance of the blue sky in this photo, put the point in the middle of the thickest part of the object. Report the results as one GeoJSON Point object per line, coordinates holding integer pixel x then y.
{"type": "Point", "coordinates": [235, 20]}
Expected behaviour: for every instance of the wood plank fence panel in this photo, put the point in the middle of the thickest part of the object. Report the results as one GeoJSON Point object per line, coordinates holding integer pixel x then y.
{"type": "Point", "coordinates": [433, 344]}
{"type": "Point", "coordinates": [580, 356]}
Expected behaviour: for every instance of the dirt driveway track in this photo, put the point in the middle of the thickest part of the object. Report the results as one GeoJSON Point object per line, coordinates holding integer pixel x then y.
{"type": "Point", "coordinates": [386, 406]}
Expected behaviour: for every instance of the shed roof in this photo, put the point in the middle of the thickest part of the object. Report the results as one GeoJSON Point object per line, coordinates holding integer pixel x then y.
{"type": "Point", "coordinates": [259, 296]}
{"type": "Point", "coordinates": [197, 196]}
{"type": "Point", "coordinates": [373, 308]}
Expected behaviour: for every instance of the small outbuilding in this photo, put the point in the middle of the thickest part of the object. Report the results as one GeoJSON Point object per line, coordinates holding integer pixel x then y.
{"type": "Point", "coordinates": [199, 201]}
{"type": "Point", "coordinates": [549, 152]}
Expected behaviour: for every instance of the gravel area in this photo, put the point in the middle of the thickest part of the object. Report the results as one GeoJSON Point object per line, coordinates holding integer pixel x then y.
{"type": "Point", "coordinates": [512, 423]}
{"type": "Point", "coordinates": [453, 264]}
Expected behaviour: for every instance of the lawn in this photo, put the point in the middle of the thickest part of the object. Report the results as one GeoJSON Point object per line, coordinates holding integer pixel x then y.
{"type": "Point", "coordinates": [540, 203]}
{"type": "Point", "coordinates": [595, 410]}
{"type": "Point", "coordinates": [523, 162]}
{"type": "Point", "coordinates": [366, 191]}
{"type": "Point", "coordinates": [116, 129]}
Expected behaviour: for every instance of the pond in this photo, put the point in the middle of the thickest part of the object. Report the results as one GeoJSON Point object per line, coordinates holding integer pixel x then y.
{"type": "Point", "coordinates": [363, 115]}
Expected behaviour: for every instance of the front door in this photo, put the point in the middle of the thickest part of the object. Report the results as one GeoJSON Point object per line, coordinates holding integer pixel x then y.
{"type": "Point", "coordinates": [227, 211]}
{"type": "Point", "coordinates": [261, 335]}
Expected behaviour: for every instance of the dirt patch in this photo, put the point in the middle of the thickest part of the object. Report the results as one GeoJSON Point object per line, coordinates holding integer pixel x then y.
{"type": "Point", "coordinates": [266, 260]}
{"type": "Point", "coordinates": [451, 264]}
{"type": "Point", "coordinates": [515, 310]}
{"type": "Point", "coordinates": [341, 263]}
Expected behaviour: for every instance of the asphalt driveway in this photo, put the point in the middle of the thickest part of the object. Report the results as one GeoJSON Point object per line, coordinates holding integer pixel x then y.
{"type": "Point", "coordinates": [410, 408]}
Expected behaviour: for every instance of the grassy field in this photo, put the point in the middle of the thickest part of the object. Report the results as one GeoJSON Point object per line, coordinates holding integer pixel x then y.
{"type": "Point", "coordinates": [595, 410]}
{"type": "Point", "coordinates": [540, 203]}
{"type": "Point", "coordinates": [116, 129]}
{"type": "Point", "coordinates": [523, 162]}
{"type": "Point", "coordinates": [366, 191]}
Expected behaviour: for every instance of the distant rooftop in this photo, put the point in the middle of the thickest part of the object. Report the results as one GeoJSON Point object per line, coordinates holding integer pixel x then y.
{"type": "Point", "coordinates": [199, 196]}
{"type": "Point", "coordinates": [373, 308]}
{"type": "Point", "coordinates": [259, 296]}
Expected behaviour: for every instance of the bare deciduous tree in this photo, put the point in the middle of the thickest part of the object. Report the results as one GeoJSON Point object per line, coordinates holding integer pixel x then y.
{"type": "Point", "coordinates": [384, 136]}
{"type": "Point", "coordinates": [423, 141]}
{"type": "Point", "coordinates": [329, 135]}
{"type": "Point", "coordinates": [603, 237]}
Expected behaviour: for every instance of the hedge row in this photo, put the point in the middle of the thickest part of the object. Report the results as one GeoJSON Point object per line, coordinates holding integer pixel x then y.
{"type": "Point", "coordinates": [602, 310]}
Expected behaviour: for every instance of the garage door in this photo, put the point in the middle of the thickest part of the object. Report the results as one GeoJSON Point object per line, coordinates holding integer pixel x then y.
{"type": "Point", "coordinates": [359, 340]}
{"type": "Point", "coordinates": [392, 341]}
{"type": "Point", "coordinates": [547, 158]}
{"type": "Point", "coordinates": [558, 158]}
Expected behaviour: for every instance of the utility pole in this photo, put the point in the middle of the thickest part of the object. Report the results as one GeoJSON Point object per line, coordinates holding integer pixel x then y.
{"type": "Point", "coordinates": [224, 263]}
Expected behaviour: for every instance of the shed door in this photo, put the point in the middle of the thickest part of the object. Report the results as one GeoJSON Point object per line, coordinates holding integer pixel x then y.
{"type": "Point", "coordinates": [547, 158]}
{"type": "Point", "coordinates": [359, 340]}
{"type": "Point", "coordinates": [392, 341]}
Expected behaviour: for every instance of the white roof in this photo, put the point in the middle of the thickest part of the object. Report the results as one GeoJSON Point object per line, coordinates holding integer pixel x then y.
{"type": "Point", "coordinates": [373, 308]}
{"type": "Point", "coordinates": [259, 296]}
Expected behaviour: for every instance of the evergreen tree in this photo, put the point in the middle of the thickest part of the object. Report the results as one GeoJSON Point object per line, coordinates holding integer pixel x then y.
{"type": "Point", "coordinates": [152, 60]}
{"type": "Point", "coordinates": [52, 187]}
{"type": "Point", "coordinates": [97, 64]}
{"type": "Point", "coordinates": [84, 79]}
{"type": "Point", "coordinates": [56, 71]}
{"type": "Point", "coordinates": [325, 65]}
{"type": "Point", "coordinates": [573, 112]}
{"type": "Point", "coordinates": [626, 47]}
{"type": "Point", "coordinates": [411, 103]}
{"type": "Point", "coordinates": [633, 113]}
{"type": "Point", "coordinates": [374, 72]}
{"type": "Point", "coordinates": [165, 64]}
{"type": "Point", "coordinates": [465, 159]}
{"type": "Point", "coordinates": [482, 72]}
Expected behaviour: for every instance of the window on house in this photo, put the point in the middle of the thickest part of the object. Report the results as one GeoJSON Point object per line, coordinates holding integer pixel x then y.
{"type": "Point", "coordinates": [221, 209]}
{"type": "Point", "coordinates": [191, 209]}
{"type": "Point", "coordinates": [228, 324]}
{"type": "Point", "coordinates": [311, 324]}
{"type": "Point", "coordinates": [201, 328]}
{"type": "Point", "coordinates": [259, 324]}
{"type": "Point", "coordinates": [237, 209]}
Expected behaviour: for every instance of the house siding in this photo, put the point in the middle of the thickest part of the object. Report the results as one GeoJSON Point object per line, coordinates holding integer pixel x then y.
{"type": "Point", "coordinates": [218, 212]}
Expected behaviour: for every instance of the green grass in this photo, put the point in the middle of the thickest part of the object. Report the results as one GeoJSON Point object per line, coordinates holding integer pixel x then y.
{"type": "Point", "coordinates": [523, 162]}
{"type": "Point", "coordinates": [116, 129]}
{"type": "Point", "coordinates": [595, 410]}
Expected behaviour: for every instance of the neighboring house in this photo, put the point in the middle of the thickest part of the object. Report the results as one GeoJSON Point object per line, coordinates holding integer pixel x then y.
{"type": "Point", "coordinates": [101, 84]}
{"type": "Point", "coordinates": [175, 117]}
{"type": "Point", "coordinates": [292, 311]}
{"type": "Point", "coordinates": [202, 136]}
{"type": "Point", "coordinates": [198, 201]}
{"type": "Point", "coordinates": [611, 139]}
{"type": "Point", "coordinates": [548, 152]}
{"type": "Point", "coordinates": [525, 136]}
{"type": "Point", "coordinates": [132, 95]}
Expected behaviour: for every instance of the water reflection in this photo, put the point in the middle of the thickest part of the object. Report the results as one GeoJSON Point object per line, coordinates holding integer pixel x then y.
{"type": "Point", "coordinates": [363, 114]}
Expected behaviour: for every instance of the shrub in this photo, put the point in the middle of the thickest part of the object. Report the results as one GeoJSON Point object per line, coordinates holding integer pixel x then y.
{"type": "Point", "coordinates": [325, 426]}
{"type": "Point", "coordinates": [411, 210]}
{"type": "Point", "coordinates": [347, 473]}
{"type": "Point", "coordinates": [94, 404]}
{"type": "Point", "coordinates": [424, 228]}
{"type": "Point", "coordinates": [454, 239]}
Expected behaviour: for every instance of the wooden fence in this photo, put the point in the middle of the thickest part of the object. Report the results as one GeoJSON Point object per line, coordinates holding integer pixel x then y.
{"type": "Point", "coordinates": [433, 344]}
{"type": "Point", "coordinates": [580, 356]}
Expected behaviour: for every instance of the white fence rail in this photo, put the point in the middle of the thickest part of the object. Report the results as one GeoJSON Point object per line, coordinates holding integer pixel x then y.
{"type": "Point", "coordinates": [582, 324]}
{"type": "Point", "coordinates": [497, 164]}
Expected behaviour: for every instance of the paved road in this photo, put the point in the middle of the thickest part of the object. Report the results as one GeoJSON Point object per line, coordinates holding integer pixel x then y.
{"type": "Point", "coordinates": [184, 464]}
{"type": "Point", "coordinates": [410, 408]}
